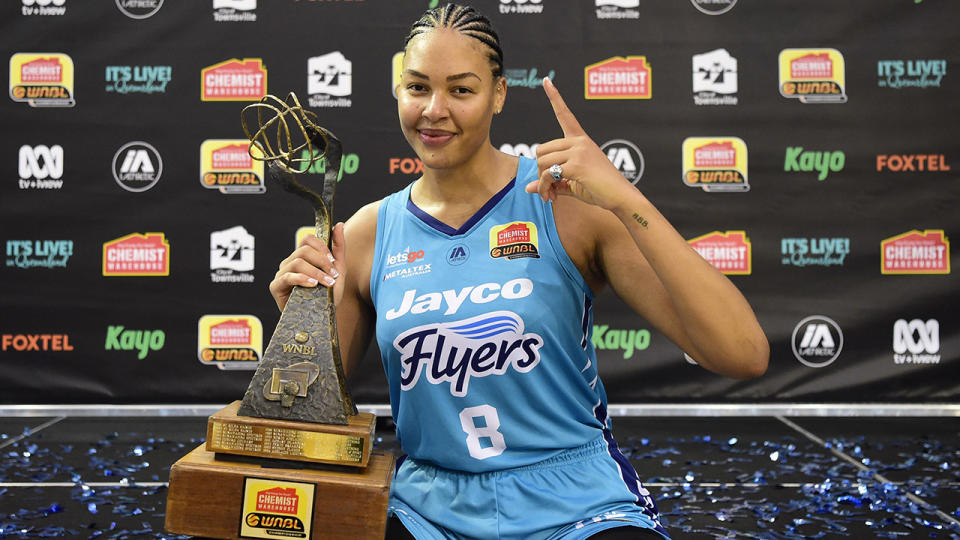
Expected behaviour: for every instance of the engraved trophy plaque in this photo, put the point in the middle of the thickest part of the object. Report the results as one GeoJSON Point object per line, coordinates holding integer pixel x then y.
{"type": "Point", "coordinates": [293, 458]}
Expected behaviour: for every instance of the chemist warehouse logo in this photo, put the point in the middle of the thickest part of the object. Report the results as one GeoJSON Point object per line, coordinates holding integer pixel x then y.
{"type": "Point", "coordinates": [42, 79]}
{"type": "Point", "coordinates": [234, 80]}
{"type": "Point", "coordinates": [729, 252]}
{"type": "Point", "coordinates": [514, 241]}
{"type": "Point", "coordinates": [916, 252]}
{"type": "Point", "coordinates": [230, 341]}
{"type": "Point", "coordinates": [619, 78]}
{"type": "Point", "coordinates": [916, 341]}
{"type": "Point", "coordinates": [715, 164]}
{"type": "Point", "coordinates": [226, 165]}
{"type": "Point", "coordinates": [812, 75]}
{"type": "Point", "coordinates": [137, 255]}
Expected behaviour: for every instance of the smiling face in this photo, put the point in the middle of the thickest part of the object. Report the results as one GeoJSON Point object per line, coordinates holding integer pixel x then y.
{"type": "Point", "coordinates": [447, 97]}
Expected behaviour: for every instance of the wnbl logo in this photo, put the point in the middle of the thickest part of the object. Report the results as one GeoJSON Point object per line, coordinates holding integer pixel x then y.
{"type": "Point", "coordinates": [453, 352]}
{"type": "Point", "coordinates": [918, 338]}
{"type": "Point", "coordinates": [41, 161]}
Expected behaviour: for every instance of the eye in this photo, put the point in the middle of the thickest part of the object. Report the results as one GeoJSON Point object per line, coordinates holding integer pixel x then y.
{"type": "Point", "coordinates": [462, 90]}
{"type": "Point", "coordinates": [416, 88]}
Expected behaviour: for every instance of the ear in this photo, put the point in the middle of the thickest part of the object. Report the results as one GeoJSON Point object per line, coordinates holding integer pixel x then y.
{"type": "Point", "coordinates": [500, 94]}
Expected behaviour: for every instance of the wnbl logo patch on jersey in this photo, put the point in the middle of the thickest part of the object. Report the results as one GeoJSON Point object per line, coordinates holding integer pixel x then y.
{"type": "Point", "coordinates": [453, 352]}
{"type": "Point", "coordinates": [514, 240]}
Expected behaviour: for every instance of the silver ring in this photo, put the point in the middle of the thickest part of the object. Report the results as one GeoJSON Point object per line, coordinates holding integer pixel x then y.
{"type": "Point", "coordinates": [556, 171]}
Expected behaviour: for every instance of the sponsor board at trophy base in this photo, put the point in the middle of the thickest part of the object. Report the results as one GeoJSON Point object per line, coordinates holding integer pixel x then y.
{"type": "Point", "coordinates": [35, 342]}
{"type": "Point", "coordinates": [232, 256]}
{"type": "Point", "coordinates": [137, 255]}
{"type": "Point", "coordinates": [120, 338]}
{"type": "Point", "coordinates": [40, 166]}
{"type": "Point", "coordinates": [817, 341]}
{"type": "Point", "coordinates": [715, 164]}
{"type": "Point", "coordinates": [813, 75]}
{"type": "Point", "coordinates": [137, 79]}
{"type": "Point", "coordinates": [715, 78]}
{"type": "Point", "coordinates": [619, 77]}
{"type": "Point", "coordinates": [38, 253]}
{"type": "Point", "coordinates": [729, 252]}
{"type": "Point", "coordinates": [276, 509]}
{"type": "Point", "coordinates": [916, 252]}
{"type": "Point", "coordinates": [230, 341]}
{"type": "Point", "coordinates": [227, 166]}
{"type": "Point", "coordinates": [916, 341]}
{"type": "Point", "coordinates": [42, 79]}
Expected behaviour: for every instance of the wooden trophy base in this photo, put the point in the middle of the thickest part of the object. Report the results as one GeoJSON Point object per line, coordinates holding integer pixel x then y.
{"type": "Point", "coordinates": [234, 497]}
{"type": "Point", "coordinates": [349, 445]}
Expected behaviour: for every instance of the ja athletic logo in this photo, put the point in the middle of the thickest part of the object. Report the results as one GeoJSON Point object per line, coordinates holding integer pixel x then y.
{"type": "Point", "coordinates": [626, 157]}
{"type": "Point", "coordinates": [137, 166]}
{"type": "Point", "coordinates": [139, 9]}
{"type": "Point", "coordinates": [817, 341]}
{"type": "Point", "coordinates": [714, 7]}
{"type": "Point", "coordinates": [458, 255]}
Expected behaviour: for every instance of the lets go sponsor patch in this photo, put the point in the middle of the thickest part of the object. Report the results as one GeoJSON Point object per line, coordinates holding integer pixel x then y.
{"type": "Point", "coordinates": [42, 79]}
{"type": "Point", "coordinates": [230, 341]}
{"type": "Point", "coordinates": [226, 165]}
{"type": "Point", "coordinates": [276, 509]}
{"type": "Point", "coordinates": [514, 241]}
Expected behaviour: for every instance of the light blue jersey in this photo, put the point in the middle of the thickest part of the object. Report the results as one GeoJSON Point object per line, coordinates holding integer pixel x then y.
{"type": "Point", "coordinates": [485, 337]}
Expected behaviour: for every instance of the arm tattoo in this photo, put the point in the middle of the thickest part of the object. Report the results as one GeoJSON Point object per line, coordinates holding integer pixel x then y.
{"type": "Point", "coordinates": [640, 219]}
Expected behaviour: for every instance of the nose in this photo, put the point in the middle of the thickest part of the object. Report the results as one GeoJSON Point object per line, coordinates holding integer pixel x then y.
{"type": "Point", "coordinates": [436, 107]}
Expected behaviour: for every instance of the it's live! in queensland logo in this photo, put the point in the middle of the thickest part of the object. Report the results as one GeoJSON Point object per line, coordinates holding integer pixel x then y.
{"type": "Point", "coordinates": [226, 165]}
{"type": "Point", "coordinates": [514, 240]}
{"type": "Point", "coordinates": [230, 341]}
{"type": "Point", "coordinates": [916, 252]}
{"type": "Point", "coordinates": [619, 78]}
{"type": "Point", "coordinates": [137, 255]}
{"type": "Point", "coordinates": [729, 252]}
{"type": "Point", "coordinates": [42, 79]}
{"type": "Point", "coordinates": [276, 509]}
{"type": "Point", "coordinates": [813, 75]}
{"type": "Point", "coordinates": [234, 80]}
{"type": "Point", "coordinates": [715, 163]}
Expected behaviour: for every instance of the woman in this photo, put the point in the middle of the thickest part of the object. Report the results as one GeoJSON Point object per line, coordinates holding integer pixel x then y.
{"type": "Point", "coordinates": [480, 296]}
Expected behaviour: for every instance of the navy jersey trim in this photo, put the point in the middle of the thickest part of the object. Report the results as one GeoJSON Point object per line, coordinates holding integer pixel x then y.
{"type": "Point", "coordinates": [442, 227]}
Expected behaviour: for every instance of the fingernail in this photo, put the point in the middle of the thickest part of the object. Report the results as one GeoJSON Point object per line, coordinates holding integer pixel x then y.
{"type": "Point", "coordinates": [334, 273]}
{"type": "Point", "coordinates": [328, 280]}
{"type": "Point", "coordinates": [311, 281]}
{"type": "Point", "coordinates": [330, 256]}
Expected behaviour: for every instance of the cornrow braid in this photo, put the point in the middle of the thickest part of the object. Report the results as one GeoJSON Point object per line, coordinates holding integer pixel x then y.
{"type": "Point", "coordinates": [463, 19]}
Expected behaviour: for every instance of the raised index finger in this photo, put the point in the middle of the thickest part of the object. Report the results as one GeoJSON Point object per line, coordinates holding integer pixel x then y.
{"type": "Point", "coordinates": [568, 122]}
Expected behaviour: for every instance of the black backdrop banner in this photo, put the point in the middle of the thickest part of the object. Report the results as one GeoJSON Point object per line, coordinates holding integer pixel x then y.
{"type": "Point", "coordinates": [806, 149]}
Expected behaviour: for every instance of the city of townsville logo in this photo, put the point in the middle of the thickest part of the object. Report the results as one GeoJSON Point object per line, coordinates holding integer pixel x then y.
{"type": "Point", "coordinates": [813, 75]}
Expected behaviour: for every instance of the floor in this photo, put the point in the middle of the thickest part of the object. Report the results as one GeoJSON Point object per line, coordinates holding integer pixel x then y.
{"type": "Point", "coordinates": [713, 477]}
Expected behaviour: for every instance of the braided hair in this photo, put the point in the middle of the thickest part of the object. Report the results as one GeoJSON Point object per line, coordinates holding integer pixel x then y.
{"type": "Point", "coordinates": [463, 19]}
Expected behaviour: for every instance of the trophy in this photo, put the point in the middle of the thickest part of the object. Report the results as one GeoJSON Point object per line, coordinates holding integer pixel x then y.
{"type": "Point", "coordinates": [292, 459]}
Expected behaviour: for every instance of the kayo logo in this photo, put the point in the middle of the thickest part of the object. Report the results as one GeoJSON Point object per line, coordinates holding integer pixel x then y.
{"type": "Point", "coordinates": [144, 341]}
{"type": "Point", "coordinates": [918, 338]}
{"type": "Point", "coordinates": [808, 161]}
{"type": "Point", "coordinates": [480, 294]}
{"type": "Point", "coordinates": [625, 340]}
{"type": "Point", "coordinates": [453, 352]}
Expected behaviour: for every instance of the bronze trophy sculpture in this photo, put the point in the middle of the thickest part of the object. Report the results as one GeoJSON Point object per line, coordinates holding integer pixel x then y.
{"type": "Point", "coordinates": [293, 459]}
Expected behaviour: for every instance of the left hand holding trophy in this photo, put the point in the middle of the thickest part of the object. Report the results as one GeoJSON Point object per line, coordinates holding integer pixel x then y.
{"type": "Point", "coordinates": [293, 459]}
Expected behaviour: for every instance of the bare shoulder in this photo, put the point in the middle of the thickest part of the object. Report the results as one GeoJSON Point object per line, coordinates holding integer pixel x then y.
{"type": "Point", "coordinates": [360, 234]}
